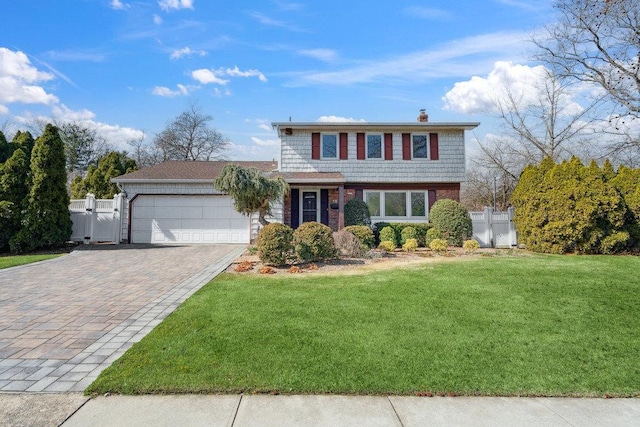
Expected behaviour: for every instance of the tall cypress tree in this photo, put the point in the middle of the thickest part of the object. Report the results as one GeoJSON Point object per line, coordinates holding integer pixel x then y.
{"type": "Point", "coordinates": [5, 148]}
{"type": "Point", "coordinates": [47, 221]}
{"type": "Point", "coordinates": [14, 191]}
{"type": "Point", "coordinates": [25, 141]}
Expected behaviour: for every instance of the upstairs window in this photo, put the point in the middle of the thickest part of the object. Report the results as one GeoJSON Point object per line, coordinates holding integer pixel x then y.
{"type": "Point", "coordinates": [374, 146]}
{"type": "Point", "coordinates": [329, 147]}
{"type": "Point", "coordinates": [420, 146]}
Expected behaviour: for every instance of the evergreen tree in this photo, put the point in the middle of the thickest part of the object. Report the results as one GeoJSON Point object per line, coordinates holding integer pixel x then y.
{"type": "Point", "coordinates": [98, 179]}
{"type": "Point", "coordinates": [47, 221]}
{"type": "Point", "coordinates": [5, 148]}
{"type": "Point", "coordinates": [25, 141]}
{"type": "Point", "coordinates": [14, 190]}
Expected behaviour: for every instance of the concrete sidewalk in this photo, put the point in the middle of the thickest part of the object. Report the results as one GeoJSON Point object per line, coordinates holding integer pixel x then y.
{"type": "Point", "coordinates": [327, 410]}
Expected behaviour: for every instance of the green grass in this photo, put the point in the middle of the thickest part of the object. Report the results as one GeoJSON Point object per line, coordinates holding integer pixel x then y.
{"type": "Point", "coordinates": [15, 260]}
{"type": "Point", "coordinates": [539, 325]}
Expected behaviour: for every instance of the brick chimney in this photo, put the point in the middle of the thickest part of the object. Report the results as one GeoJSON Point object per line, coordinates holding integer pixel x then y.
{"type": "Point", "coordinates": [423, 117]}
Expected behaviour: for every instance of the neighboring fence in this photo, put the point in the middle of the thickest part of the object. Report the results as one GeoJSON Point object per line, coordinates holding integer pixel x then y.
{"type": "Point", "coordinates": [97, 220]}
{"type": "Point", "coordinates": [494, 229]}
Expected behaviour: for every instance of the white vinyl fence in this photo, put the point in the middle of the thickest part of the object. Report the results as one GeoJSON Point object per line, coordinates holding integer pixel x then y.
{"type": "Point", "coordinates": [97, 220]}
{"type": "Point", "coordinates": [494, 229]}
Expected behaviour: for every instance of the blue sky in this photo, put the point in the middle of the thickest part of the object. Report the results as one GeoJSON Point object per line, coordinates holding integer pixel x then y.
{"type": "Point", "coordinates": [127, 67]}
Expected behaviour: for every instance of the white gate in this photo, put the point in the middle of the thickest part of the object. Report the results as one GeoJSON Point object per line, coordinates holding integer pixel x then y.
{"type": "Point", "coordinates": [494, 229]}
{"type": "Point", "coordinates": [97, 220]}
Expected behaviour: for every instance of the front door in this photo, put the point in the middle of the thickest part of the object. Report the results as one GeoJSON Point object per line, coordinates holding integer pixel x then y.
{"type": "Point", "coordinates": [309, 206]}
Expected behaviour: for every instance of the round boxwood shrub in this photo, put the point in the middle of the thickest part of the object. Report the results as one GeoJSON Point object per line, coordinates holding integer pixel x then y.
{"type": "Point", "coordinates": [438, 245]}
{"type": "Point", "coordinates": [470, 246]}
{"type": "Point", "coordinates": [362, 232]}
{"type": "Point", "coordinates": [274, 244]}
{"type": "Point", "coordinates": [407, 233]}
{"type": "Point", "coordinates": [388, 234]}
{"type": "Point", "coordinates": [452, 219]}
{"type": "Point", "coordinates": [387, 246]}
{"type": "Point", "coordinates": [410, 245]}
{"type": "Point", "coordinates": [432, 233]}
{"type": "Point", "coordinates": [356, 212]}
{"type": "Point", "coordinates": [313, 241]}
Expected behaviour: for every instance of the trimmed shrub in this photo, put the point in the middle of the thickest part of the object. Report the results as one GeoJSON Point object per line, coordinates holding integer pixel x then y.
{"type": "Point", "coordinates": [452, 219]}
{"type": "Point", "coordinates": [421, 230]}
{"type": "Point", "coordinates": [274, 244]}
{"type": "Point", "coordinates": [387, 245]}
{"type": "Point", "coordinates": [432, 233]}
{"type": "Point", "coordinates": [356, 212]}
{"type": "Point", "coordinates": [313, 241]}
{"type": "Point", "coordinates": [388, 234]}
{"type": "Point", "coordinates": [410, 245]}
{"type": "Point", "coordinates": [407, 233]}
{"type": "Point", "coordinates": [568, 207]}
{"type": "Point", "coordinates": [348, 244]}
{"type": "Point", "coordinates": [362, 232]}
{"type": "Point", "coordinates": [438, 245]}
{"type": "Point", "coordinates": [470, 246]}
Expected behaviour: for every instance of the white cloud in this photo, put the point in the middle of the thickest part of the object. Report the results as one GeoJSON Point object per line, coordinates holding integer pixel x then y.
{"type": "Point", "coordinates": [3, 110]}
{"type": "Point", "coordinates": [168, 93]}
{"type": "Point", "coordinates": [265, 142]}
{"type": "Point", "coordinates": [220, 93]}
{"type": "Point", "coordinates": [118, 5]}
{"type": "Point", "coordinates": [167, 5]}
{"type": "Point", "coordinates": [338, 119]}
{"type": "Point", "coordinates": [326, 55]}
{"type": "Point", "coordinates": [480, 94]}
{"type": "Point", "coordinates": [427, 12]}
{"type": "Point", "coordinates": [206, 76]}
{"type": "Point", "coordinates": [186, 51]}
{"type": "Point", "coordinates": [116, 135]}
{"type": "Point", "coordinates": [157, 19]}
{"type": "Point", "coordinates": [235, 72]}
{"type": "Point", "coordinates": [457, 58]}
{"type": "Point", "coordinates": [18, 80]}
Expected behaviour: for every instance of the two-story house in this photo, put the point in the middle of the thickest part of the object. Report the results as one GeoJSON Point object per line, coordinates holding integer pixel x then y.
{"type": "Point", "coordinates": [398, 169]}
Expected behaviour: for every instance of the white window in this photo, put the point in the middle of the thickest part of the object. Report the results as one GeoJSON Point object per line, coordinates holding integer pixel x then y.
{"type": "Point", "coordinates": [329, 148]}
{"type": "Point", "coordinates": [420, 146]}
{"type": "Point", "coordinates": [396, 205]}
{"type": "Point", "coordinates": [374, 146]}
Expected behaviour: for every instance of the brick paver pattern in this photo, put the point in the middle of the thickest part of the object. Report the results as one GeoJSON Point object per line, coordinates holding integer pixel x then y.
{"type": "Point", "coordinates": [65, 320]}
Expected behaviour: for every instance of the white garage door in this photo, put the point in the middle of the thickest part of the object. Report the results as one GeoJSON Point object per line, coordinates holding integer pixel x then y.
{"type": "Point", "coordinates": [187, 219]}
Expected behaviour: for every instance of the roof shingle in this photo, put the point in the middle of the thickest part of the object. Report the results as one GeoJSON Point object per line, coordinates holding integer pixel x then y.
{"type": "Point", "coordinates": [190, 170]}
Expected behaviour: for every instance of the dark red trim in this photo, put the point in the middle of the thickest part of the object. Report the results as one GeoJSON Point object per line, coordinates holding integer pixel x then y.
{"type": "Point", "coordinates": [432, 198]}
{"type": "Point", "coordinates": [406, 146]}
{"type": "Point", "coordinates": [360, 146]}
{"type": "Point", "coordinates": [388, 146]}
{"type": "Point", "coordinates": [344, 146]}
{"type": "Point", "coordinates": [315, 146]}
{"type": "Point", "coordinates": [433, 146]}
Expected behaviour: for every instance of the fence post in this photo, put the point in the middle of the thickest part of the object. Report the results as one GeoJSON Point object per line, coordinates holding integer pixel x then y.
{"type": "Point", "coordinates": [117, 216]}
{"type": "Point", "coordinates": [90, 208]}
{"type": "Point", "coordinates": [488, 221]}
{"type": "Point", "coordinates": [513, 234]}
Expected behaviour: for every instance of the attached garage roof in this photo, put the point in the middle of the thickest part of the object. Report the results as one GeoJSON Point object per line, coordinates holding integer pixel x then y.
{"type": "Point", "coordinates": [189, 171]}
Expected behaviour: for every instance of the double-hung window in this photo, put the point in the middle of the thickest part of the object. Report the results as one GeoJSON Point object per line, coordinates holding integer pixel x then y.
{"type": "Point", "coordinates": [329, 146]}
{"type": "Point", "coordinates": [374, 146]}
{"type": "Point", "coordinates": [390, 205]}
{"type": "Point", "coordinates": [420, 146]}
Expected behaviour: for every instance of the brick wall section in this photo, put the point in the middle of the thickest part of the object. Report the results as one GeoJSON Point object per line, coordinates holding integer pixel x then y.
{"type": "Point", "coordinates": [296, 157]}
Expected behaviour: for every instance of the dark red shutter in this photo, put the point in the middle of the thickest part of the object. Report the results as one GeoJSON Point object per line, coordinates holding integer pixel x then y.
{"type": "Point", "coordinates": [360, 146]}
{"type": "Point", "coordinates": [388, 146]}
{"type": "Point", "coordinates": [432, 198]}
{"type": "Point", "coordinates": [433, 146]}
{"type": "Point", "coordinates": [315, 146]}
{"type": "Point", "coordinates": [406, 146]}
{"type": "Point", "coordinates": [344, 146]}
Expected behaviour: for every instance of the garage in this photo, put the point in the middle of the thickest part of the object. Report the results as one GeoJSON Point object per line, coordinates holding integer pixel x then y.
{"type": "Point", "coordinates": [187, 219]}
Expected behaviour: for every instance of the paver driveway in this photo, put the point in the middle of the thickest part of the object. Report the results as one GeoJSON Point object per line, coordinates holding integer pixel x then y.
{"type": "Point", "coordinates": [63, 321]}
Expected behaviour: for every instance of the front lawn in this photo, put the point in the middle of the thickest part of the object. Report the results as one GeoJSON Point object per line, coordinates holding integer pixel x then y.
{"type": "Point", "coordinates": [539, 325]}
{"type": "Point", "coordinates": [15, 260]}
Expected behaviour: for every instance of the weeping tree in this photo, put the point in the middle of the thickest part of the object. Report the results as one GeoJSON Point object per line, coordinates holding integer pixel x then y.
{"type": "Point", "coordinates": [251, 190]}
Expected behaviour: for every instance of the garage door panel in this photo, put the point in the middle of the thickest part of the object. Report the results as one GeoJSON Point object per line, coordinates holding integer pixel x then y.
{"type": "Point", "coordinates": [187, 219]}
